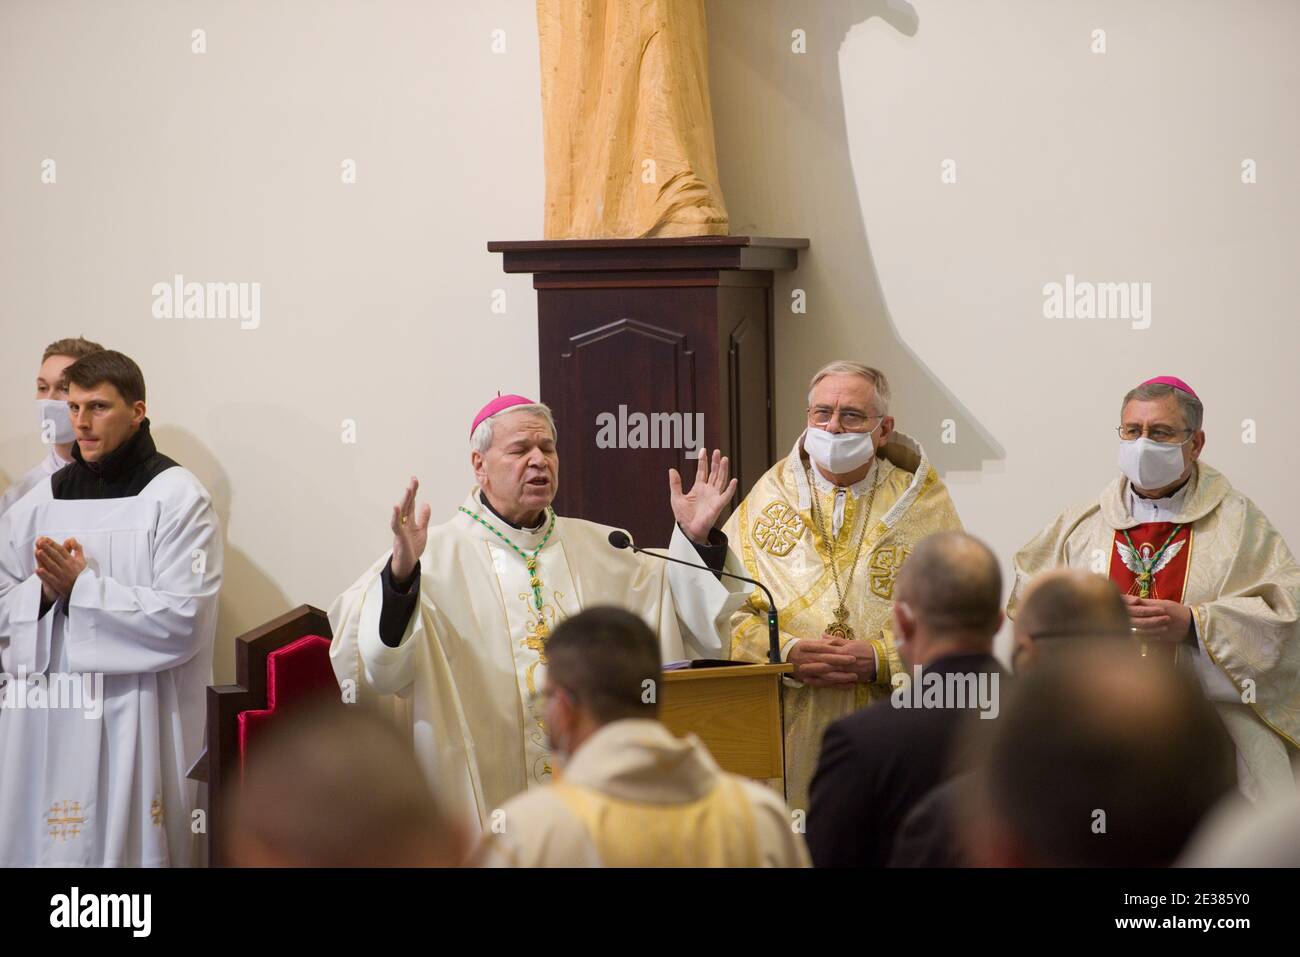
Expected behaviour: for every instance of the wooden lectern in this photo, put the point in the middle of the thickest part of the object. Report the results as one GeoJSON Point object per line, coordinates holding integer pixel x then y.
{"type": "Point", "coordinates": [735, 711]}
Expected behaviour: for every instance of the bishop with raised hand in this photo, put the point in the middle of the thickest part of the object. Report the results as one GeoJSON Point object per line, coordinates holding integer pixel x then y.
{"type": "Point", "coordinates": [454, 618]}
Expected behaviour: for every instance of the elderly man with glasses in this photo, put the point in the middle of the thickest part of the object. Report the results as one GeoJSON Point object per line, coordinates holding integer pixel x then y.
{"type": "Point", "coordinates": [1206, 578]}
{"type": "Point", "coordinates": [827, 529]}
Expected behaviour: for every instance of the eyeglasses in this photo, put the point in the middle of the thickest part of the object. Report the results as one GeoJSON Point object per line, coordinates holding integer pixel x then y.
{"type": "Point", "coordinates": [1157, 433]}
{"type": "Point", "coordinates": [850, 419]}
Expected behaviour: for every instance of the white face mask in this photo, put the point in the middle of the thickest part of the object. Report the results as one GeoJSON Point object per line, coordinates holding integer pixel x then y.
{"type": "Point", "coordinates": [839, 452]}
{"type": "Point", "coordinates": [1151, 465]}
{"type": "Point", "coordinates": [56, 422]}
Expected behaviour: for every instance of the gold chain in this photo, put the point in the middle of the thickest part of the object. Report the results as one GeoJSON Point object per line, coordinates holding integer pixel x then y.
{"type": "Point", "coordinates": [841, 612]}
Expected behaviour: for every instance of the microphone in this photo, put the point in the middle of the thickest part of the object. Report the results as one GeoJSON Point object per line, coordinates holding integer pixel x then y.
{"type": "Point", "coordinates": [620, 539]}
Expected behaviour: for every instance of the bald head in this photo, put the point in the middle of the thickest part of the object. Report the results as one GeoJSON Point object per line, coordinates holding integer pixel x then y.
{"type": "Point", "coordinates": [1066, 603]}
{"type": "Point", "coordinates": [948, 597]}
{"type": "Point", "coordinates": [1070, 602]}
{"type": "Point", "coordinates": [337, 786]}
{"type": "Point", "coordinates": [1101, 758]}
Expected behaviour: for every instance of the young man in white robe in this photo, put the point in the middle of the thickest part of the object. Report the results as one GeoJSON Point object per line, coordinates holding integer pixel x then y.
{"type": "Point", "coordinates": [630, 792]}
{"type": "Point", "coordinates": [109, 573]}
{"type": "Point", "coordinates": [454, 618]}
{"type": "Point", "coordinates": [52, 409]}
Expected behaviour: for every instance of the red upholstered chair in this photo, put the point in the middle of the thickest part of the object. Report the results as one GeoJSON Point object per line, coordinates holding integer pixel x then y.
{"type": "Point", "coordinates": [283, 663]}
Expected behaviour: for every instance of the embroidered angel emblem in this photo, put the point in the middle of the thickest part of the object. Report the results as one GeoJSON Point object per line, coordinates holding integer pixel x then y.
{"type": "Point", "coordinates": [1145, 563]}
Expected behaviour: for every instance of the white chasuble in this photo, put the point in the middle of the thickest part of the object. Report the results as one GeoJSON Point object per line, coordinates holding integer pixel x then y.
{"type": "Point", "coordinates": [528, 626]}
{"type": "Point", "coordinates": [1243, 587]}
{"type": "Point", "coordinates": [103, 706]}
{"type": "Point", "coordinates": [468, 670]}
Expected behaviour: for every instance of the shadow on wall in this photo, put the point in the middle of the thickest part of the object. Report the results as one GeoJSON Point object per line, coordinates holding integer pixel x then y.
{"type": "Point", "coordinates": [783, 152]}
{"type": "Point", "coordinates": [249, 598]}
{"type": "Point", "coordinates": [24, 451]}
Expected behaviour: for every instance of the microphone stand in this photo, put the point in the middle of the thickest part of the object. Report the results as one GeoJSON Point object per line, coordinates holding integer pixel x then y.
{"type": "Point", "coordinates": [622, 540]}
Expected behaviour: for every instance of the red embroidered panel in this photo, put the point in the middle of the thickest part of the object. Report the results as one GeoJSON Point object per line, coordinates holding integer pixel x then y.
{"type": "Point", "coordinates": [1169, 576]}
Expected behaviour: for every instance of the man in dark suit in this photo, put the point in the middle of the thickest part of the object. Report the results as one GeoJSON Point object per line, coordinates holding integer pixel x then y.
{"type": "Point", "coordinates": [877, 763]}
{"type": "Point", "coordinates": [1059, 607]}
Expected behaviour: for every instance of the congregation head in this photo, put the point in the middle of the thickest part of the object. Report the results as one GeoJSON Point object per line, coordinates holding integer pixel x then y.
{"type": "Point", "coordinates": [1063, 604]}
{"type": "Point", "coordinates": [947, 598]}
{"type": "Point", "coordinates": [603, 665]}
{"type": "Point", "coordinates": [333, 785]}
{"type": "Point", "coordinates": [603, 657]}
{"type": "Point", "coordinates": [1101, 758]}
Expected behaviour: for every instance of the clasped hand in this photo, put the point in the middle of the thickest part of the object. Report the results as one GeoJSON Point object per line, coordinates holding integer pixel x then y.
{"type": "Point", "coordinates": [57, 566]}
{"type": "Point", "coordinates": [829, 662]}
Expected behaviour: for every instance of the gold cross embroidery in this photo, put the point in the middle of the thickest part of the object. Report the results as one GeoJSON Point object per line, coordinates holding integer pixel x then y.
{"type": "Point", "coordinates": [885, 563]}
{"type": "Point", "coordinates": [65, 819]}
{"type": "Point", "coordinates": [778, 529]}
{"type": "Point", "coordinates": [156, 812]}
{"type": "Point", "coordinates": [538, 632]}
{"type": "Point", "coordinates": [540, 624]}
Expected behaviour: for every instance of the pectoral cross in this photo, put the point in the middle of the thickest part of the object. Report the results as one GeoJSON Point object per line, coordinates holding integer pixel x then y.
{"type": "Point", "coordinates": [839, 626]}
{"type": "Point", "coordinates": [538, 632]}
{"type": "Point", "coordinates": [535, 640]}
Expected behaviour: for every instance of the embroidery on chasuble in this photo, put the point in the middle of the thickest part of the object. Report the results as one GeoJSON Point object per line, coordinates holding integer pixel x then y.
{"type": "Point", "coordinates": [885, 563]}
{"type": "Point", "coordinates": [777, 529]}
{"type": "Point", "coordinates": [529, 628]}
{"type": "Point", "coordinates": [1152, 560]}
{"type": "Point", "coordinates": [65, 820]}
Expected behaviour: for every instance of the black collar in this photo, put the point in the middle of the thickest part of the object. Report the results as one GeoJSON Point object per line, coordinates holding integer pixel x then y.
{"type": "Point", "coordinates": [488, 505]}
{"type": "Point", "coordinates": [121, 473]}
{"type": "Point", "coordinates": [127, 456]}
{"type": "Point", "coordinates": [1163, 498]}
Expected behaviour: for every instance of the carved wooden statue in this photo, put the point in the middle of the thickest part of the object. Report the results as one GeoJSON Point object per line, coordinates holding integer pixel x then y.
{"type": "Point", "coordinates": [628, 127]}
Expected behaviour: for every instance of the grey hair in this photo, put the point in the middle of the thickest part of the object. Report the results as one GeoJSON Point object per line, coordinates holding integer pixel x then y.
{"type": "Point", "coordinates": [847, 367]}
{"type": "Point", "coordinates": [1191, 407]}
{"type": "Point", "coordinates": [481, 440]}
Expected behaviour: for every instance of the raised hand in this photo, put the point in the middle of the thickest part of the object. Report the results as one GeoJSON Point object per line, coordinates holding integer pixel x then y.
{"type": "Point", "coordinates": [410, 532]}
{"type": "Point", "coordinates": [698, 510]}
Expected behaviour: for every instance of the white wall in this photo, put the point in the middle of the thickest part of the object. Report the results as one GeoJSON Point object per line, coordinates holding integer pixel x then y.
{"type": "Point", "coordinates": [1122, 166]}
{"type": "Point", "coordinates": [225, 166]}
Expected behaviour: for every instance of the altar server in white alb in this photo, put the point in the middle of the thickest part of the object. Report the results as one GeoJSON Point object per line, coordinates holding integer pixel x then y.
{"type": "Point", "coordinates": [454, 618]}
{"type": "Point", "coordinates": [109, 573]}
{"type": "Point", "coordinates": [51, 416]}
